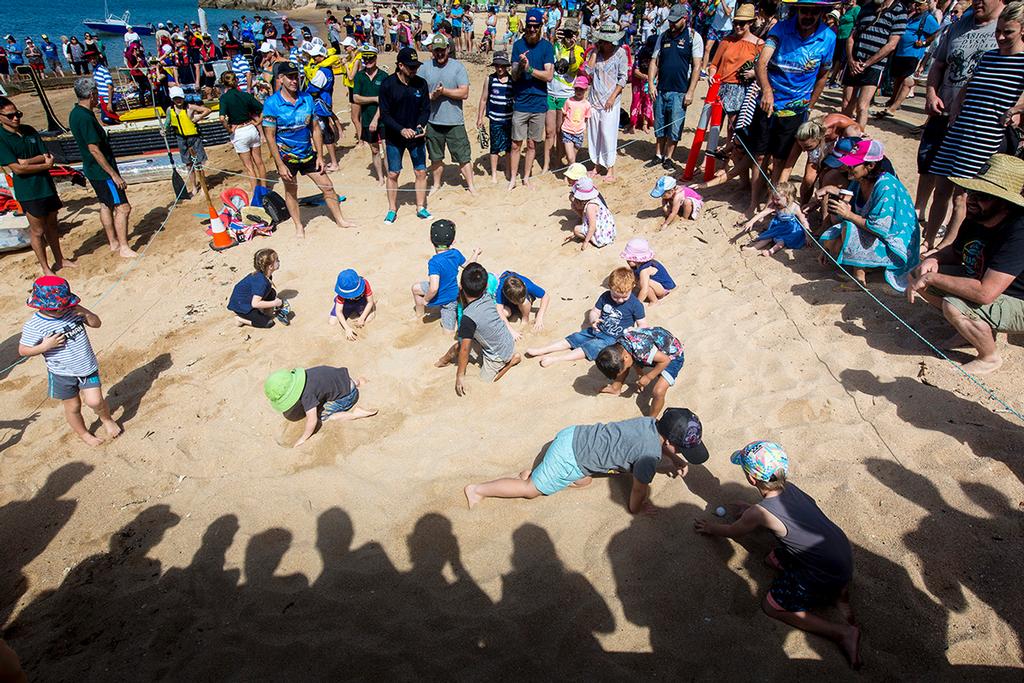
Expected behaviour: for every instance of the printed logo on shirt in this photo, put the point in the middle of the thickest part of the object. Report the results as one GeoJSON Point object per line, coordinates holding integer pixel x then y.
{"type": "Point", "coordinates": [974, 258]}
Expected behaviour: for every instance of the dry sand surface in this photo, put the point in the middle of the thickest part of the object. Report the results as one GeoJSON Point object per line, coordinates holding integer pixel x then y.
{"type": "Point", "coordinates": [195, 547]}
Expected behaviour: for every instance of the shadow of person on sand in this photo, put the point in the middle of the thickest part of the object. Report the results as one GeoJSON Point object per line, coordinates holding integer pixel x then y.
{"type": "Point", "coordinates": [16, 430]}
{"type": "Point", "coordinates": [985, 433]}
{"type": "Point", "coordinates": [128, 393]}
{"type": "Point", "coordinates": [28, 526]}
{"type": "Point", "coordinates": [558, 634]}
{"type": "Point", "coordinates": [979, 562]}
{"type": "Point", "coordinates": [9, 355]}
{"type": "Point", "coordinates": [103, 604]}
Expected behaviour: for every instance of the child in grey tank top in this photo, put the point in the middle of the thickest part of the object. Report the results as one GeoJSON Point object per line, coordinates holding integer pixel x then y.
{"type": "Point", "coordinates": [814, 557]}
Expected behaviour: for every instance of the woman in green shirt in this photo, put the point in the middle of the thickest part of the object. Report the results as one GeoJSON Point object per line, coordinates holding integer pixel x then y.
{"type": "Point", "coordinates": [23, 155]}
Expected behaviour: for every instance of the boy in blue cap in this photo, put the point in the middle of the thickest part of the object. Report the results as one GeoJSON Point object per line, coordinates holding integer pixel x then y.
{"type": "Point", "coordinates": [353, 293]}
{"type": "Point", "coordinates": [814, 556]}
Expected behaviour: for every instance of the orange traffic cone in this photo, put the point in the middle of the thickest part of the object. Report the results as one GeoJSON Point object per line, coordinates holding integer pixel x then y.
{"type": "Point", "coordinates": [221, 239]}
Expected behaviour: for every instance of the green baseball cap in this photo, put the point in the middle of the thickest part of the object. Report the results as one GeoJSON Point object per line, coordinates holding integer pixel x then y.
{"type": "Point", "coordinates": [284, 387]}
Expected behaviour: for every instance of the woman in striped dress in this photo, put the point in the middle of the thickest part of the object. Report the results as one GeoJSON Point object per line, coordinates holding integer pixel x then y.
{"type": "Point", "coordinates": [976, 131]}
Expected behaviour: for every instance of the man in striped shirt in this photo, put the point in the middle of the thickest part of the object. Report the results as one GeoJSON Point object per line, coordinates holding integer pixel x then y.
{"type": "Point", "coordinates": [240, 65]}
{"type": "Point", "coordinates": [877, 33]}
{"type": "Point", "coordinates": [104, 89]}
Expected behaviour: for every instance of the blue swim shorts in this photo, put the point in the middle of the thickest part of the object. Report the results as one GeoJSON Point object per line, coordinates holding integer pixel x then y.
{"type": "Point", "coordinates": [672, 371]}
{"type": "Point", "coordinates": [558, 469]}
{"type": "Point", "coordinates": [340, 405]}
{"type": "Point", "coordinates": [590, 341]}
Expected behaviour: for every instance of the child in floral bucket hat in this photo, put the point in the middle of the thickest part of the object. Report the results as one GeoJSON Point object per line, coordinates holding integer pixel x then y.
{"type": "Point", "coordinates": [814, 558]}
{"type": "Point", "coordinates": [57, 332]}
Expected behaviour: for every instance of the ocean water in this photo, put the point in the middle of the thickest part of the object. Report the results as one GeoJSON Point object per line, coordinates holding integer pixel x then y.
{"type": "Point", "coordinates": [64, 17]}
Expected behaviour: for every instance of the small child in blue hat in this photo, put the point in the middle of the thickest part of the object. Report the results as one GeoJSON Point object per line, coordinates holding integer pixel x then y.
{"type": "Point", "coordinates": [355, 296]}
{"type": "Point", "coordinates": [57, 332]}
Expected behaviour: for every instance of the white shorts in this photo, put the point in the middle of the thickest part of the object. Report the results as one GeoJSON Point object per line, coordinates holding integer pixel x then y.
{"type": "Point", "coordinates": [245, 138]}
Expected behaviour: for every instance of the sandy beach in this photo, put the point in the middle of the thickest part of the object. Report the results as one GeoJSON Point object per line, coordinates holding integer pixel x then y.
{"type": "Point", "coordinates": [199, 546]}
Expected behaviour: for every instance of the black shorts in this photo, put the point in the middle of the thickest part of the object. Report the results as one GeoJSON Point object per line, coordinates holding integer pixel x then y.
{"type": "Point", "coordinates": [931, 139]}
{"type": "Point", "coordinates": [258, 318]}
{"type": "Point", "coordinates": [302, 167]}
{"type": "Point", "coordinates": [902, 68]}
{"type": "Point", "coordinates": [107, 193]}
{"type": "Point", "coordinates": [41, 208]}
{"type": "Point", "coordinates": [773, 135]}
{"type": "Point", "coordinates": [456, 31]}
{"type": "Point", "coordinates": [373, 138]}
{"type": "Point", "coordinates": [871, 76]}
{"type": "Point", "coordinates": [351, 96]}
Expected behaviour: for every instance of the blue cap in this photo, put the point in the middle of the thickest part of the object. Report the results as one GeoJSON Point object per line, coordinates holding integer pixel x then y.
{"type": "Point", "coordinates": [843, 147]}
{"type": "Point", "coordinates": [349, 284]}
{"type": "Point", "coordinates": [535, 15]}
{"type": "Point", "coordinates": [664, 184]}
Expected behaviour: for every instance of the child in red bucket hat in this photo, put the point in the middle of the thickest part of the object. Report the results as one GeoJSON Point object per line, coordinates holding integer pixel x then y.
{"type": "Point", "coordinates": [57, 332]}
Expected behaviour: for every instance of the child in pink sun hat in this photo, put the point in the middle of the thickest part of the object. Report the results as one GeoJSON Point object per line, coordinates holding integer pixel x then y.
{"type": "Point", "coordinates": [576, 111]}
{"type": "Point", "coordinates": [57, 332]}
{"type": "Point", "coordinates": [652, 278]}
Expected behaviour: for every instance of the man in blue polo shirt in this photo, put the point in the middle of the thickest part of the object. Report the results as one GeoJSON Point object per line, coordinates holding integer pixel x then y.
{"type": "Point", "coordinates": [296, 145]}
{"type": "Point", "coordinates": [677, 55]}
{"type": "Point", "coordinates": [791, 72]}
{"type": "Point", "coordinates": [534, 60]}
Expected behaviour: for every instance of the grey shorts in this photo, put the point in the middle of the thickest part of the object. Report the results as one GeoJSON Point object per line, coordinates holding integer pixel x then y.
{"type": "Point", "coordinates": [64, 387]}
{"type": "Point", "coordinates": [528, 126]}
{"type": "Point", "coordinates": [490, 367]}
{"type": "Point", "coordinates": [449, 311]}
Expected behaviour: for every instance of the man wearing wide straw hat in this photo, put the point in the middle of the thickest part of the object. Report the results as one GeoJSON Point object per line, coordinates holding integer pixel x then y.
{"type": "Point", "coordinates": [677, 56]}
{"type": "Point", "coordinates": [978, 281]}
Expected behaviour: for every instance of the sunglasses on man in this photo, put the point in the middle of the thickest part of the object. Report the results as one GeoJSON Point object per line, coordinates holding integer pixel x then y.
{"type": "Point", "coordinates": [13, 115]}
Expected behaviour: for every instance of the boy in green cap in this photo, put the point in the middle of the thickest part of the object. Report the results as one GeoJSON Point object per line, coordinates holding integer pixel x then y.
{"type": "Point", "coordinates": [323, 393]}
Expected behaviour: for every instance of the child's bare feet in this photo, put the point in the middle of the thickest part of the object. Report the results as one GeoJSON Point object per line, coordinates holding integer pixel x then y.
{"type": "Point", "coordinates": [516, 360]}
{"type": "Point", "coordinates": [472, 497]}
{"type": "Point", "coordinates": [547, 362]}
{"type": "Point", "coordinates": [112, 429]}
{"type": "Point", "coordinates": [851, 646]}
{"type": "Point", "coordinates": [90, 439]}
{"type": "Point", "coordinates": [126, 252]}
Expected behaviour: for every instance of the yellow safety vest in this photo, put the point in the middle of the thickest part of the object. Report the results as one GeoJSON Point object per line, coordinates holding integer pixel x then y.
{"type": "Point", "coordinates": [182, 124]}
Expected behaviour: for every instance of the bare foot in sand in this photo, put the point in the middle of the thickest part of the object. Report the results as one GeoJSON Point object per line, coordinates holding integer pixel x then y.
{"type": "Point", "coordinates": [90, 439]}
{"type": "Point", "coordinates": [851, 646]}
{"type": "Point", "coordinates": [472, 497]}
{"type": "Point", "coordinates": [115, 247]}
{"type": "Point", "coordinates": [512, 184]}
{"type": "Point", "coordinates": [983, 367]}
{"type": "Point", "coordinates": [126, 252]}
{"type": "Point", "coordinates": [547, 362]}
{"type": "Point", "coordinates": [445, 360]}
{"type": "Point", "coordinates": [516, 360]}
{"type": "Point", "coordinates": [112, 429]}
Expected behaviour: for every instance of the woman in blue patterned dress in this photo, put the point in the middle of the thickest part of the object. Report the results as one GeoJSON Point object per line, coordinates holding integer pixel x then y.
{"type": "Point", "coordinates": [878, 227]}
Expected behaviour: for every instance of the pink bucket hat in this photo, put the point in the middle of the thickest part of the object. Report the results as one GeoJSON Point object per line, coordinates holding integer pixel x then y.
{"type": "Point", "coordinates": [584, 189]}
{"type": "Point", "coordinates": [637, 250]}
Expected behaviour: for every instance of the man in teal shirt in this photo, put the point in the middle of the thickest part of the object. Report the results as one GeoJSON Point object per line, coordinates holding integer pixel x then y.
{"type": "Point", "coordinates": [100, 167]}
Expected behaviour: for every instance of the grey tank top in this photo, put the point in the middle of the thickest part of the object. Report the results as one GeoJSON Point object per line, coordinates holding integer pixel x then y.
{"type": "Point", "coordinates": [812, 539]}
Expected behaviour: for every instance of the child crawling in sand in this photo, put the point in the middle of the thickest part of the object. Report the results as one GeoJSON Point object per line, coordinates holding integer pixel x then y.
{"type": "Point", "coordinates": [321, 393]}
{"type": "Point", "coordinates": [787, 228]}
{"type": "Point", "coordinates": [641, 446]}
{"type": "Point", "coordinates": [814, 558]}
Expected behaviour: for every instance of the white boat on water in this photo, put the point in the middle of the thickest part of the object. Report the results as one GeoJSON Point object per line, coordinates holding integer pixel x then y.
{"type": "Point", "coordinates": [117, 25]}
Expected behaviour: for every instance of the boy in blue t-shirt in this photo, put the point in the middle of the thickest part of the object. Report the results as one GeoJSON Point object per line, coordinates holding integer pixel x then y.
{"type": "Point", "coordinates": [57, 332]}
{"type": "Point", "coordinates": [613, 312]}
{"type": "Point", "coordinates": [515, 296]}
{"type": "Point", "coordinates": [441, 288]}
